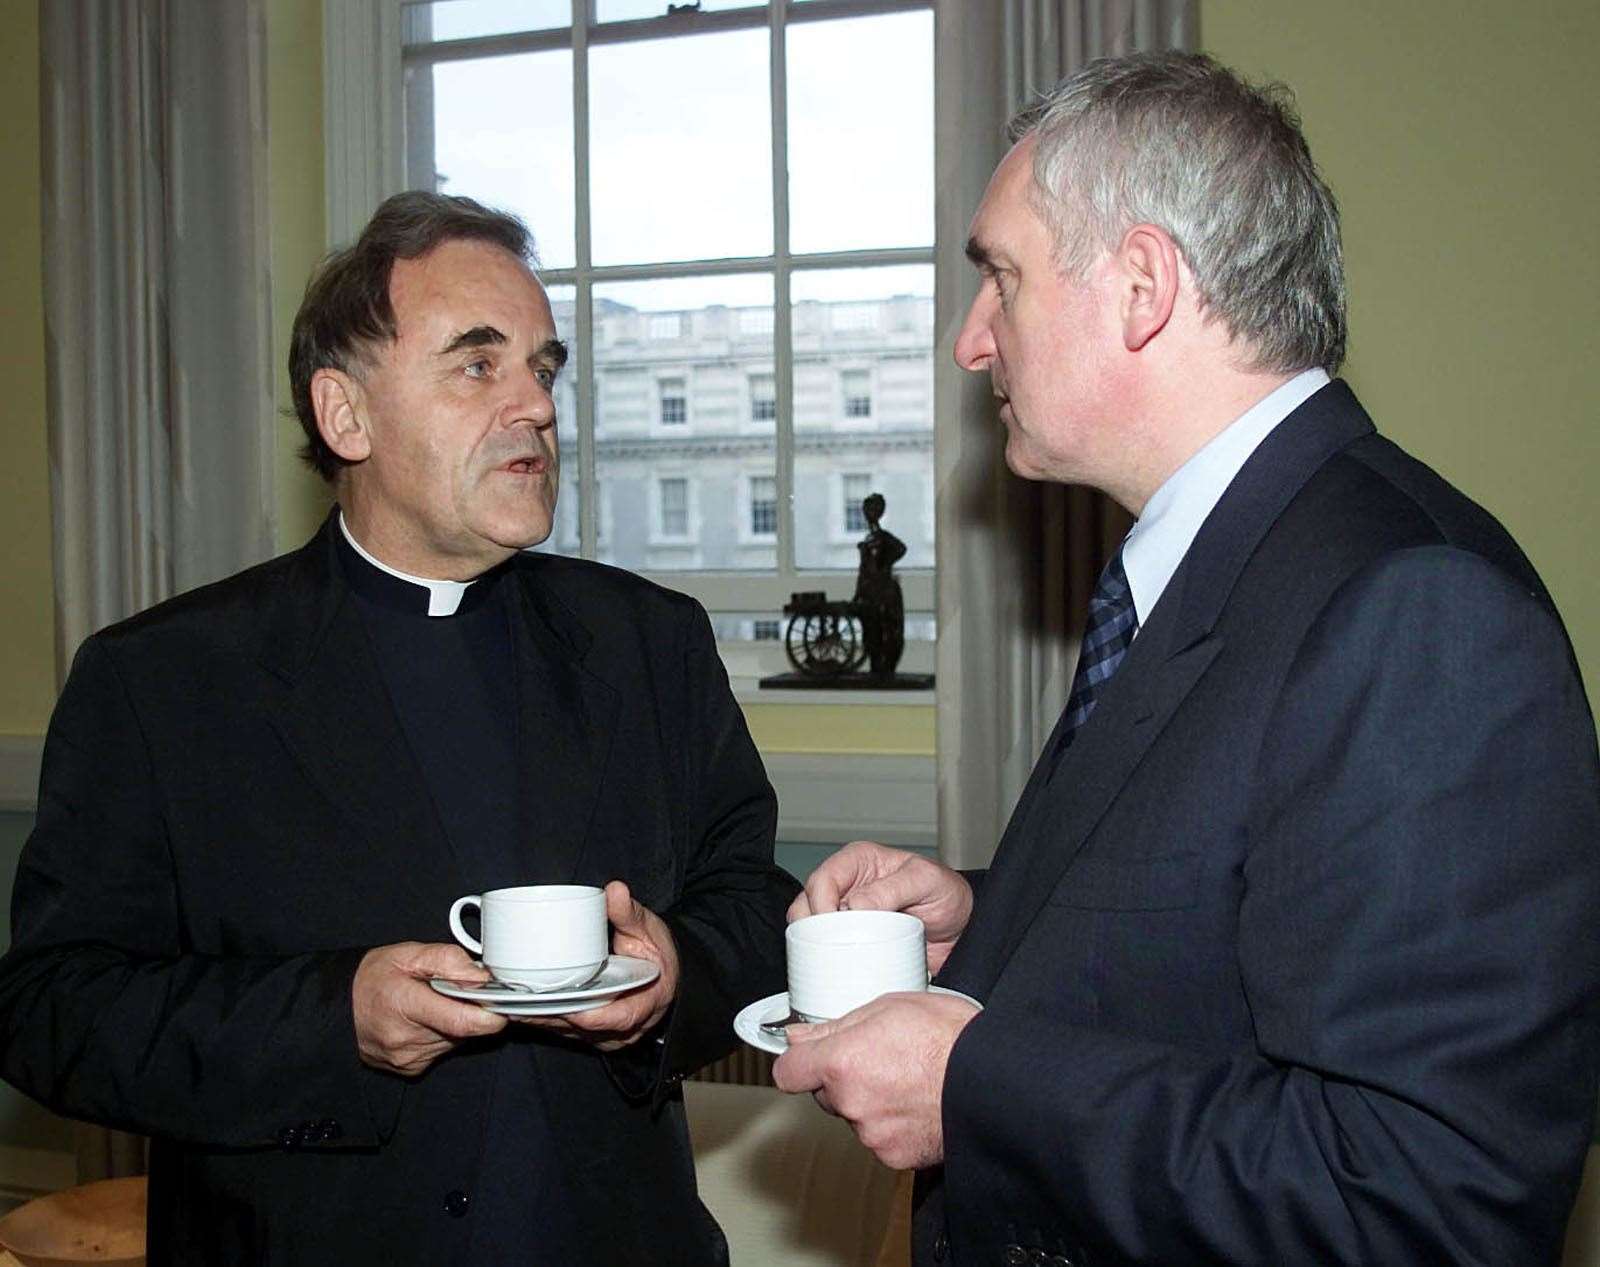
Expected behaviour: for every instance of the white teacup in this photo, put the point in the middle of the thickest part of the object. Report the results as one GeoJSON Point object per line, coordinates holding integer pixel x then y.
{"type": "Point", "coordinates": [842, 959]}
{"type": "Point", "coordinates": [542, 936]}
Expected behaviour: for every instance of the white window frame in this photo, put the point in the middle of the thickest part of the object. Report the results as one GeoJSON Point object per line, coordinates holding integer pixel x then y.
{"type": "Point", "coordinates": [658, 537]}
{"type": "Point", "coordinates": [747, 509]}
{"type": "Point", "coordinates": [364, 127]}
{"type": "Point", "coordinates": [658, 417]}
{"type": "Point", "coordinates": [846, 418]}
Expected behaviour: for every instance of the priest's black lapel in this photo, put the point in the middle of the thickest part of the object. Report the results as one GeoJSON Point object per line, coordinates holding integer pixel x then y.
{"type": "Point", "coordinates": [334, 713]}
{"type": "Point", "coordinates": [566, 721]}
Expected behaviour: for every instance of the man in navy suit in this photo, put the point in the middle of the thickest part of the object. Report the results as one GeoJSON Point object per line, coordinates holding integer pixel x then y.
{"type": "Point", "coordinates": [1289, 952]}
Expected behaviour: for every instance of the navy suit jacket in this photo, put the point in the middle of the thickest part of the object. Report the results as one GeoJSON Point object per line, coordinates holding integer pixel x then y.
{"type": "Point", "coordinates": [230, 817]}
{"type": "Point", "coordinates": [1294, 958]}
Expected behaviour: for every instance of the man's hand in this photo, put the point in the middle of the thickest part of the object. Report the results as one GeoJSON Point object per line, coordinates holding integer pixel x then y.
{"type": "Point", "coordinates": [881, 1068]}
{"type": "Point", "coordinates": [867, 876]}
{"type": "Point", "coordinates": [640, 933]}
{"type": "Point", "coordinates": [402, 1023]}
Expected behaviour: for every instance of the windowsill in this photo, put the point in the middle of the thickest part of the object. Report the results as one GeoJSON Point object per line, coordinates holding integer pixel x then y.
{"type": "Point", "coordinates": [748, 690]}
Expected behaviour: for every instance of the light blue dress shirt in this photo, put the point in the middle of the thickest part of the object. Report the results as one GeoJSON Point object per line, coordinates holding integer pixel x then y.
{"type": "Point", "coordinates": [1173, 515]}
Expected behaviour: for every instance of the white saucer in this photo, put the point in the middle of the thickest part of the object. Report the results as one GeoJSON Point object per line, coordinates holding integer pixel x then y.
{"type": "Point", "coordinates": [621, 973]}
{"type": "Point", "coordinates": [776, 1006]}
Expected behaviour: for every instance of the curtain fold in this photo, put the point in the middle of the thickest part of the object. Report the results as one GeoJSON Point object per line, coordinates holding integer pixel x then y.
{"type": "Point", "coordinates": [157, 319]}
{"type": "Point", "coordinates": [1017, 559]}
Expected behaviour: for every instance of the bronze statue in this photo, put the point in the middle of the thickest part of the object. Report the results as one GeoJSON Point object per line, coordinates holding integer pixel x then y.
{"type": "Point", "coordinates": [829, 640]}
{"type": "Point", "coordinates": [879, 604]}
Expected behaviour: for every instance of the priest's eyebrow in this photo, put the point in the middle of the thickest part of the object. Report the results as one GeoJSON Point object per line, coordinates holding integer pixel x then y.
{"type": "Point", "coordinates": [552, 351]}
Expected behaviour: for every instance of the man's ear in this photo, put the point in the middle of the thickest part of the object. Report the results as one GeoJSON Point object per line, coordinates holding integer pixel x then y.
{"type": "Point", "coordinates": [341, 419]}
{"type": "Point", "coordinates": [1149, 268]}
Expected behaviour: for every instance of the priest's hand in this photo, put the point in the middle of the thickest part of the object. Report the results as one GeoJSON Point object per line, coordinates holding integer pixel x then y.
{"type": "Point", "coordinates": [402, 1023]}
{"type": "Point", "coordinates": [639, 932]}
{"type": "Point", "coordinates": [867, 876]}
{"type": "Point", "coordinates": [881, 1068]}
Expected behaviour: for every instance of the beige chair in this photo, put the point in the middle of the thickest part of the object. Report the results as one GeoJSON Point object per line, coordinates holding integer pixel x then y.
{"type": "Point", "coordinates": [791, 1186]}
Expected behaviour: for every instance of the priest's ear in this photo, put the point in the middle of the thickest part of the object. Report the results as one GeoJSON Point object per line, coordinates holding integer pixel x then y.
{"type": "Point", "coordinates": [341, 416]}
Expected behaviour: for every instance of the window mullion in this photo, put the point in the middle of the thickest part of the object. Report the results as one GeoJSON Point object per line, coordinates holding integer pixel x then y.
{"type": "Point", "coordinates": [782, 313]}
{"type": "Point", "coordinates": [588, 485]}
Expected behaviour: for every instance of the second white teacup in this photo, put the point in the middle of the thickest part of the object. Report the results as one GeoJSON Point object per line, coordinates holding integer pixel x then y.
{"type": "Point", "coordinates": [543, 936]}
{"type": "Point", "coordinates": [842, 959]}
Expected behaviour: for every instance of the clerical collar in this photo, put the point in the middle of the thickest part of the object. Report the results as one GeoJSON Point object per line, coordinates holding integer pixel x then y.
{"type": "Point", "coordinates": [417, 595]}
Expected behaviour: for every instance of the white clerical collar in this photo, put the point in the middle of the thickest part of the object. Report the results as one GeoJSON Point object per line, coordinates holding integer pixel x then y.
{"type": "Point", "coordinates": [1173, 515]}
{"type": "Point", "coordinates": [443, 596]}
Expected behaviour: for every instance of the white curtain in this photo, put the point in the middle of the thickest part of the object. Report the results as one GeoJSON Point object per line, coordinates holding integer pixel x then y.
{"type": "Point", "coordinates": [1017, 560]}
{"type": "Point", "coordinates": [157, 302]}
{"type": "Point", "coordinates": [157, 316]}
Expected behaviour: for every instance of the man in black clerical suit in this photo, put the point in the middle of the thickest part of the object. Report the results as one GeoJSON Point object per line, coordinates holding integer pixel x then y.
{"type": "Point", "coordinates": [260, 798]}
{"type": "Point", "coordinates": [1289, 954]}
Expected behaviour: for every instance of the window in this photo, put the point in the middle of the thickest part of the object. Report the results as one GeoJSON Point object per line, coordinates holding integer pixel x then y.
{"type": "Point", "coordinates": [763, 398]}
{"type": "Point", "coordinates": [674, 402]}
{"type": "Point", "coordinates": [856, 489]}
{"type": "Point", "coordinates": [742, 188]}
{"type": "Point", "coordinates": [857, 385]}
{"type": "Point", "coordinates": [763, 506]}
{"type": "Point", "coordinates": [766, 630]}
{"type": "Point", "coordinates": [674, 507]}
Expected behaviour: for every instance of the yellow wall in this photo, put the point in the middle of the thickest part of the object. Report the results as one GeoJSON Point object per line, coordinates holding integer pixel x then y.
{"type": "Point", "coordinates": [294, 118]}
{"type": "Point", "coordinates": [1462, 147]}
{"type": "Point", "coordinates": [27, 628]}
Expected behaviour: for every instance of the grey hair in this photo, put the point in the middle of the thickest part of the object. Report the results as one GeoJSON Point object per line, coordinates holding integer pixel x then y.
{"type": "Point", "coordinates": [1178, 141]}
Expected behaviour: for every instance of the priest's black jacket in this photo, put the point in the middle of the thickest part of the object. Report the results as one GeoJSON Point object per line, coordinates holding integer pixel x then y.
{"type": "Point", "coordinates": [230, 816]}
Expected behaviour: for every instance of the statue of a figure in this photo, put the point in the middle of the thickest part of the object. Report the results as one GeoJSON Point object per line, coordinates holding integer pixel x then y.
{"type": "Point", "coordinates": [882, 608]}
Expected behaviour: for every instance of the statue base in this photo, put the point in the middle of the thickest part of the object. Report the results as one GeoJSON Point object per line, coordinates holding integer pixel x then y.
{"type": "Point", "coordinates": [848, 682]}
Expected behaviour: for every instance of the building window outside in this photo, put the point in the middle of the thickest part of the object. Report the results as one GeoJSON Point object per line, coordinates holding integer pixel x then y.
{"type": "Point", "coordinates": [674, 503]}
{"type": "Point", "coordinates": [766, 630]}
{"type": "Point", "coordinates": [763, 398]}
{"type": "Point", "coordinates": [856, 488]}
{"type": "Point", "coordinates": [674, 402]}
{"type": "Point", "coordinates": [763, 506]}
{"type": "Point", "coordinates": [545, 122]}
{"type": "Point", "coordinates": [857, 385]}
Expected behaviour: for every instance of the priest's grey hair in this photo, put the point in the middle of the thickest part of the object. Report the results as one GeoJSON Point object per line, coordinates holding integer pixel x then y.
{"type": "Point", "coordinates": [1181, 142]}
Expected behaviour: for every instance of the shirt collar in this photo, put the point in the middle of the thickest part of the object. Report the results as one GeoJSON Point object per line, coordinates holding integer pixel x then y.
{"type": "Point", "coordinates": [443, 597]}
{"type": "Point", "coordinates": [1173, 515]}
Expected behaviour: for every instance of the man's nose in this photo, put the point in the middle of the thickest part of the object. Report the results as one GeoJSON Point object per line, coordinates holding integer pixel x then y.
{"type": "Point", "coordinates": [975, 344]}
{"type": "Point", "coordinates": [534, 400]}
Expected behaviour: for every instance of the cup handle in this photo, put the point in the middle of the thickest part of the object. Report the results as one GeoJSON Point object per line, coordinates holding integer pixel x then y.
{"type": "Point", "coordinates": [461, 934]}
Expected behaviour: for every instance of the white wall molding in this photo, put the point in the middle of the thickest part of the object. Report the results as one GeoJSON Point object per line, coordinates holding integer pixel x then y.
{"type": "Point", "coordinates": [19, 771]}
{"type": "Point", "coordinates": [831, 799]}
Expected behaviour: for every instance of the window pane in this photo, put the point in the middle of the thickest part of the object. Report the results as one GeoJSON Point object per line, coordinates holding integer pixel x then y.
{"type": "Point", "coordinates": [861, 133]}
{"type": "Point", "coordinates": [622, 10]}
{"type": "Point", "coordinates": [466, 19]}
{"type": "Point", "coordinates": [499, 129]}
{"type": "Point", "coordinates": [681, 148]}
{"type": "Point", "coordinates": [675, 447]}
{"type": "Point", "coordinates": [863, 401]}
{"type": "Point", "coordinates": [564, 538]}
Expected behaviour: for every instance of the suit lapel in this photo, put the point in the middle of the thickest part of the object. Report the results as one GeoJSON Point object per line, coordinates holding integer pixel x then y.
{"type": "Point", "coordinates": [566, 719]}
{"type": "Point", "coordinates": [1059, 811]}
{"type": "Point", "coordinates": [335, 716]}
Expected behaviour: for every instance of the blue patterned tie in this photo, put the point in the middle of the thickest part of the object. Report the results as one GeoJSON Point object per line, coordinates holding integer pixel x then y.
{"type": "Point", "coordinates": [1111, 626]}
